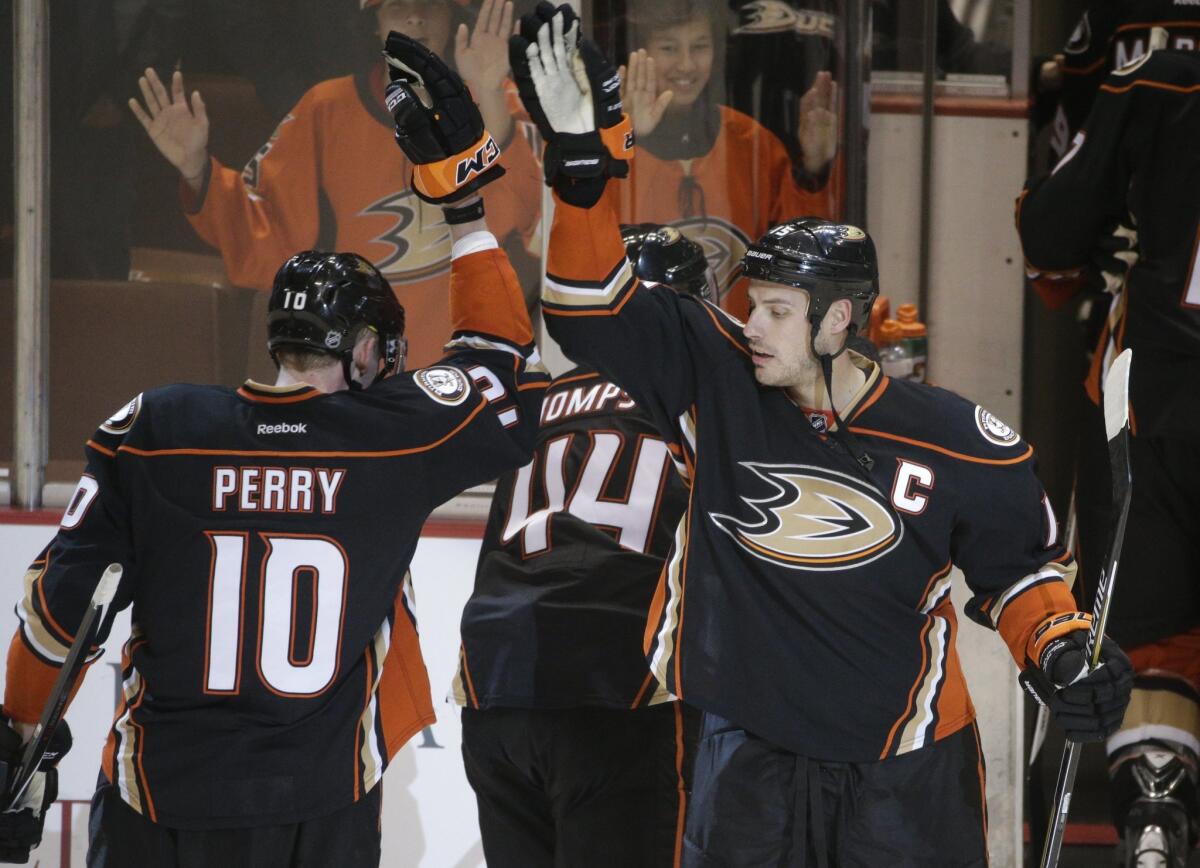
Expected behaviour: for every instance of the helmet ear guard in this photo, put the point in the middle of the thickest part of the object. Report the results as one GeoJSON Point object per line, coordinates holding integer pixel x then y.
{"type": "Point", "coordinates": [321, 302]}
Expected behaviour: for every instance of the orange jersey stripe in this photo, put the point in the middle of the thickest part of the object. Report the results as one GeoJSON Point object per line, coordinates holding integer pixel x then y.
{"type": "Point", "coordinates": [943, 450]}
{"type": "Point", "coordinates": [486, 297]}
{"type": "Point", "coordinates": [277, 399]}
{"type": "Point", "coordinates": [912, 691]}
{"type": "Point", "coordinates": [28, 684]}
{"type": "Point", "coordinates": [679, 785]}
{"type": "Point", "coordinates": [462, 653]}
{"type": "Point", "coordinates": [1022, 615]}
{"type": "Point", "coordinates": [637, 700]}
{"type": "Point", "coordinates": [404, 704]}
{"type": "Point", "coordinates": [261, 453]}
{"type": "Point", "coordinates": [1158, 85]}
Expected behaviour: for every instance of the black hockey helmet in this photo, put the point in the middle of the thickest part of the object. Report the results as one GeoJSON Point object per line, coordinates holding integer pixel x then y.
{"type": "Point", "coordinates": [828, 260]}
{"type": "Point", "coordinates": [321, 301]}
{"type": "Point", "coordinates": [662, 254]}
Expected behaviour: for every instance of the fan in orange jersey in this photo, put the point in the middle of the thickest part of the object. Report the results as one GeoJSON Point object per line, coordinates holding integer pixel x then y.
{"type": "Point", "coordinates": [330, 175]}
{"type": "Point", "coordinates": [706, 169]}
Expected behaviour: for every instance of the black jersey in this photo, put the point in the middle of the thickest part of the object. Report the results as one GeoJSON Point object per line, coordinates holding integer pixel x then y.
{"type": "Point", "coordinates": [574, 545]}
{"type": "Point", "coordinates": [1135, 160]}
{"type": "Point", "coordinates": [1109, 35]}
{"type": "Point", "coordinates": [806, 600]}
{"type": "Point", "coordinates": [266, 533]}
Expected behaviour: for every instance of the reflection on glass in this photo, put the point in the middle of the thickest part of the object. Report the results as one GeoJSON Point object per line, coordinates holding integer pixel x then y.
{"type": "Point", "coordinates": [714, 172]}
{"type": "Point", "coordinates": [331, 176]}
{"type": "Point", "coordinates": [973, 36]}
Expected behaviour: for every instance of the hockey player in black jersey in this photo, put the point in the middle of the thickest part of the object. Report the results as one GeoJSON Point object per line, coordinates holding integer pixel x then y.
{"type": "Point", "coordinates": [805, 606]}
{"type": "Point", "coordinates": [1136, 162]}
{"type": "Point", "coordinates": [576, 755]}
{"type": "Point", "coordinates": [265, 533]}
{"type": "Point", "coordinates": [1109, 35]}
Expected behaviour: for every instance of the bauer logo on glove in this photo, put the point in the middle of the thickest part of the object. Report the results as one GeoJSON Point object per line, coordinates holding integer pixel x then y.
{"type": "Point", "coordinates": [438, 125]}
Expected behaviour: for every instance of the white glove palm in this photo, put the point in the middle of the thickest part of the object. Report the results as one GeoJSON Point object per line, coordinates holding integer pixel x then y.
{"type": "Point", "coordinates": [560, 79]}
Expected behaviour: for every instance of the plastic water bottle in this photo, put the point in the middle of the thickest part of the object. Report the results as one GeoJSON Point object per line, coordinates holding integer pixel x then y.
{"type": "Point", "coordinates": [894, 356]}
{"type": "Point", "coordinates": [915, 336]}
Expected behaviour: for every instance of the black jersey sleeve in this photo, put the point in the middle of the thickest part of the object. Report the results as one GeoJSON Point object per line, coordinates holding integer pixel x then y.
{"type": "Point", "coordinates": [649, 340]}
{"type": "Point", "coordinates": [1062, 216]}
{"type": "Point", "coordinates": [1006, 537]}
{"type": "Point", "coordinates": [94, 532]}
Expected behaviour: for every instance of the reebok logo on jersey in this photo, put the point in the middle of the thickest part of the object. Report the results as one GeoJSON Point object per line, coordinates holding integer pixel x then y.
{"type": "Point", "coordinates": [284, 428]}
{"type": "Point", "coordinates": [812, 518]}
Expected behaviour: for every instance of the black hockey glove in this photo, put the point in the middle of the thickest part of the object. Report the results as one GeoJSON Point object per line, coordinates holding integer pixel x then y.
{"type": "Point", "coordinates": [21, 827]}
{"type": "Point", "coordinates": [438, 125]}
{"type": "Point", "coordinates": [1087, 707]}
{"type": "Point", "coordinates": [573, 94]}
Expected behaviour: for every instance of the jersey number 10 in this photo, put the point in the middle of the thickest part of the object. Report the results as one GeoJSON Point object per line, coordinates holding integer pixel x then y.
{"type": "Point", "coordinates": [289, 560]}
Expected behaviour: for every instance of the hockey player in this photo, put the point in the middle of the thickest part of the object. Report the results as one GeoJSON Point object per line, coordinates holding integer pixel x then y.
{"type": "Point", "coordinates": [710, 171]}
{"type": "Point", "coordinates": [577, 757]}
{"type": "Point", "coordinates": [1109, 35]}
{"type": "Point", "coordinates": [805, 607]}
{"type": "Point", "coordinates": [1135, 162]}
{"type": "Point", "coordinates": [329, 175]}
{"type": "Point", "coordinates": [265, 533]}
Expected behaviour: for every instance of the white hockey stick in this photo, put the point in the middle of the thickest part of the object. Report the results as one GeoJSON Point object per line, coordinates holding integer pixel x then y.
{"type": "Point", "coordinates": [1116, 426]}
{"type": "Point", "coordinates": [56, 704]}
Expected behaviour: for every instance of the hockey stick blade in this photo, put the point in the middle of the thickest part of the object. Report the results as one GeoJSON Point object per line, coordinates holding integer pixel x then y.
{"type": "Point", "coordinates": [1116, 428]}
{"type": "Point", "coordinates": [52, 714]}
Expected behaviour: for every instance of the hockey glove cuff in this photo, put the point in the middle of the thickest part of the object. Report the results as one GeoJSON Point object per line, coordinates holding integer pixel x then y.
{"type": "Point", "coordinates": [21, 826]}
{"type": "Point", "coordinates": [438, 125]}
{"type": "Point", "coordinates": [1089, 707]}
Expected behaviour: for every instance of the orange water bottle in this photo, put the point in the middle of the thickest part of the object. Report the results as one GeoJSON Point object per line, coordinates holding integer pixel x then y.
{"type": "Point", "coordinates": [880, 310]}
{"type": "Point", "coordinates": [915, 336]}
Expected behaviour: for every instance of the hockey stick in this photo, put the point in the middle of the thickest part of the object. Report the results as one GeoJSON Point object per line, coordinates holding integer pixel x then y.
{"type": "Point", "coordinates": [1116, 427]}
{"type": "Point", "coordinates": [1042, 723]}
{"type": "Point", "coordinates": [56, 704]}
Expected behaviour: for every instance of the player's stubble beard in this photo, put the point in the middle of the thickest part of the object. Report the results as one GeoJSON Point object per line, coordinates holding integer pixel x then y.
{"type": "Point", "coordinates": [791, 368]}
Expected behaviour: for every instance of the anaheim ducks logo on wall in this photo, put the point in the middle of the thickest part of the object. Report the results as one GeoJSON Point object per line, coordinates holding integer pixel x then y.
{"type": "Point", "coordinates": [417, 240]}
{"type": "Point", "coordinates": [723, 244]}
{"type": "Point", "coordinates": [813, 519]}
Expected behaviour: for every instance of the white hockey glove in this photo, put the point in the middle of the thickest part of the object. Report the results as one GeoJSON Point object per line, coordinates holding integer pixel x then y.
{"type": "Point", "coordinates": [573, 94]}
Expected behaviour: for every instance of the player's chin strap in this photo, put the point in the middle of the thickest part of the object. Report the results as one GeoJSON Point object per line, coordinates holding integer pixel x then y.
{"type": "Point", "coordinates": [840, 430]}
